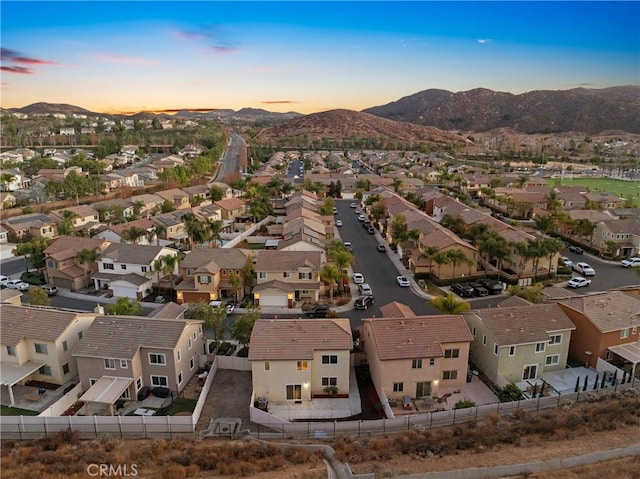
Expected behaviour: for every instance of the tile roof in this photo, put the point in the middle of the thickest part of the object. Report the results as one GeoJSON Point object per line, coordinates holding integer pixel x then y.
{"type": "Point", "coordinates": [169, 311]}
{"type": "Point", "coordinates": [64, 247]}
{"type": "Point", "coordinates": [222, 258]}
{"type": "Point", "coordinates": [272, 260]}
{"type": "Point", "coordinates": [396, 310]}
{"type": "Point", "coordinates": [513, 301]}
{"type": "Point", "coordinates": [133, 253]}
{"type": "Point", "coordinates": [230, 203]}
{"type": "Point", "coordinates": [46, 324]}
{"type": "Point", "coordinates": [611, 311]}
{"type": "Point", "coordinates": [523, 324]}
{"type": "Point", "coordinates": [297, 339]}
{"type": "Point", "coordinates": [417, 337]}
{"type": "Point", "coordinates": [120, 337]}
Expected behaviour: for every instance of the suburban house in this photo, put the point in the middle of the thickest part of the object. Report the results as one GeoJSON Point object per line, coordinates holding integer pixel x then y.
{"type": "Point", "coordinates": [179, 198]}
{"type": "Point", "coordinates": [231, 208]}
{"type": "Point", "coordinates": [212, 273]}
{"type": "Point", "coordinates": [64, 268]}
{"type": "Point", "coordinates": [37, 343]}
{"type": "Point", "coordinates": [7, 200]}
{"type": "Point", "coordinates": [119, 233]}
{"type": "Point", "coordinates": [119, 355]}
{"type": "Point", "coordinates": [227, 191]}
{"type": "Point", "coordinates": [413, 355]}
{"type": "Point", "coordinates": [515, 344]}
{"type": "Point", "coordinates": [4, 237]}
{"type": "Point", "coordinates": [606, 328]}
{"type": "Point", "coordinates": [198, 194]}
{"type": "Point", "coordinates": [621, 237]}
{"type": "Point", "coordinates": [287, 276]}
{"type": "Point", "coordinates": [16, 180]}
{"type": "Point", "coordinates": [173, 225]}
{"type": "Point", "coordinates": [295, 360]}
{"type": "Point", "coordinates": [129, 270]}
{"type": "Point", "coordinates": [117, 209]}
{"type": "Point", "coordinates": [37, 225]}
{"type": "Point", "coordinates": [83, 217]}
{"type": "Point", "coordinates": [148, 203]}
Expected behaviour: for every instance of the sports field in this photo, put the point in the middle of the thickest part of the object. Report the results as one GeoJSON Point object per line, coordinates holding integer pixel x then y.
{"type": "Point", "coordinates": [622, 188]}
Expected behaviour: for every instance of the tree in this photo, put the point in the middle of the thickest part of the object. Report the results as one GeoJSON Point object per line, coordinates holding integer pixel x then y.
{"type": "Point", "coordinates": [397, 185]}
{"type": "Point", "coordinates": [85, 257]}
{"type": "Point", "coordinates": [455, 224]}
{"type": "Point", "coordinates": [545, 224]}
{"type": "Point", "coordinates": [213, 317]}
{"type": "Point", "coordinates": [134, 234]}
{"type": "Point", "coordinates": [552, 246]}
{"type": "Point", "coordinates": [331, 275]}
{"type": "Point", "coordinates": [456, 256]}
{"type": "Point", "coordinates": [532, 293]}
{"type": "Point", "coordinates": [125, 307]}
{"type": "Point", "coordinates": [440, 258]}
{"type": "Point", "coordinates": [510, 393]}
{"type": "Point", "coordinates": [450, 304]}
{"type": "Point", "coordinates": [33, 251]}
{"type": "Point", "coordinates": [216, 193]}
{"type": "Point", "coordinates": [493, 246]}
{"type": "Point", "coordinates": [38, 297]}
{"type": "Point", "coordinates": [154, 234]}
{"type": "Point", "coordinates": [243, 326]}
{"type": "Point", "coordinates": [428, 252]}
{"type": "Point", "coordinates": [65, 227]}
{"type": "Point", "coordinates": [166, 264]}
{"type": "Point", "coordinates": [399, 229]}
{"type": "Point", "coordinates": [235, 281]}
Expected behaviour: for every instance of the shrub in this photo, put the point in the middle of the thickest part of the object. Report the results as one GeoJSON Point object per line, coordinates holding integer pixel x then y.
{"type": "Point", "coordinates": [465, 403]}
{"type": "Point", "coordinates": [509, 393]}
{"type": "Point", "coordinates": [33, 277]}
{"type": "Point", "coordinates": [244, 352]}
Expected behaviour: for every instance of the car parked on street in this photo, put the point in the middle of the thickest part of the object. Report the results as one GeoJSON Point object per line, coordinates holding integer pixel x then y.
{"type": "Point", "coordinates": [347, 246]}
{"type": "Point", "coordinates": [578, 282]}
{"type": "Point", "coordinates": [353, 205]}
{"type": "Point", "coordinates": [478, 289]}
{"type": "Point", "coordinates": [358, 278]}
{"type": "Point", "coordinates": [567, 262]}
{"type": "Point", "coordinates": [493, 286]}
{"type": "Point", "coordinates": [318, 311]}
{"type": "Point", "coordinates": [49, 289]}
{"type": "Point", "coordinates": [338, 223]}
{"type": "Point", "coordinates": [363, 302]}
{"type": "Point", "coordinates": [3, 280]}
{"type": "Point", "coordinates": [403, 281]}
{"type": "Point", "coordinates": [365, 290]}
{"type": "Point", "coordinates": [371, 231]}
{"type": "Point", "coordinates": [584, 269]}
{"type": "Point", "coordinates": [382, 248]}
{"type": "Point", "coordinates": [462, 289]}
{"type": "Point", "coordinates": [575, 249]}
{"type": "Point", "coordinates": [630, 263]}
{"type": "Point", "coordinates": [17, 284]}
{"type": "Point", "coordinates": [361, 217]}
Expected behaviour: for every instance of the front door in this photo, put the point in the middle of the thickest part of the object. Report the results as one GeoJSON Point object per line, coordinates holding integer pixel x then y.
{"type": "Point", "coordinates": [423, 389]}
{"type": "Point", "coordinates": [294, 392]}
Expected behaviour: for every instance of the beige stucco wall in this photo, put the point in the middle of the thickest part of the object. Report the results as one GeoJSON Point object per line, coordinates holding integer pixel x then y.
{"type": "Point", "coordinates": [339, 371]}
{"type": "Point", "coordinates": [272, 384]}
{"type": "Point", "coordinates": [482, 356]}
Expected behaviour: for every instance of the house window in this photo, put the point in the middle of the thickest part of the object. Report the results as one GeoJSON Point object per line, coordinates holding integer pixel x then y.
{"type": "Point", "coordinates": [159, 380]}
{"type": "Point", "coordinates": [305, 275]}
{"type": "Point", "coordinates": [329, 382]}
{"type": "Point", "coordinates": [194, 335]}
{"type": "Point", "coordinates": [484, 339]}
{"type": "Point", "coordinates": [552, 360]}
{"type": "Point", "coordinates": [11, 350]}
{"type": "Point", "coordinates": [123, 266]}
{"type": "Point", "coordinates": [180, 377]}
{"type": "Point", "coordinates": [126, 394]}
{"type": "Point", "coordinates": [608, 356]}
{"type": "Point", "coordinates": [109, 363]}
{"type": "Point", "coordinates": [200, 330]}
{"type": "Point", "coordinates": [432, 361]}
{"type": "Point", "coordinates": [555, 339]}
{"type": "Point", "coordinates": [512, 350]}
{"type": "Point", "coordinates": [473, 331]}
{"type": "Point", "coordinates": [540, 347]}
{"type": "Point", "coordinates": [108, 266]}
{"type": "Point", "coordinates": [262, 275]}
{"type": "Point", "coordinates": [157, 358]}
{"type": "Point", "coordinates": [303, 365]}
{"type": "Point", "coordinates": [530, 371]}
{"type": "Point", "coordinates": [143, 269]}
{"type": "Point", "coordinates": [634, 330]}
{"type": "Point", "coordinates": [451, 353]}
{"type": "Point", "coordinates": [64, 346]}
{"type": "Point", "coordinates": [495, 349]}
{"type": "Point", "coordinates": [204, 279]}
{"type": "Point", "coordinates": [45, 370]}
{"type": "Point", "coordinates": [79, 334]}
{"type": "Point", "coordinates": [179, 356]}
{"type": "Point", "coordinates": [191, 363]}
{"type": "Point", "coordinates": [123, 364]}
{"type": "Point", "coordinates": [416, 364]}
{"type": "Point", "coordinates": [449, 375]}
{"type": "Point", "coordinates": [267, 366]}
{"type": "Point", "coordinates": [41, 348]}
{"type": "Point", "coordinates": [139, 384]}
{"type": "Point", "coordinates": [624, 333]}
{"type": "Point", "coordinates": [190, 271]}
{"type": "Point", "coordinates": [92, 381]}
{"type": "Point", "coordinates": [65, 368]}
{"type": "Point", "coordinates": [286, 274]}
{"type": "Point", "coordinates": [189, 343]}
{"type": "Point", "coordinates": [330, 359]}
{"type": "Point", "coordinates": [294, 392]}
{"type": "Point", "coordinates": [398, 387]}
{"type": "Point", "coordinates": [52, 264]}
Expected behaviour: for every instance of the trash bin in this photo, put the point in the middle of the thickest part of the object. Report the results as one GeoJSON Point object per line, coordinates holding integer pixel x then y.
{"type": "Point", "coordinates": [469, 376]}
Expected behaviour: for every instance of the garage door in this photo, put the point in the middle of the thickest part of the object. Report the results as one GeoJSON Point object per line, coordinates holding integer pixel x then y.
{"type": "Point", "coordinates": [273, 300]}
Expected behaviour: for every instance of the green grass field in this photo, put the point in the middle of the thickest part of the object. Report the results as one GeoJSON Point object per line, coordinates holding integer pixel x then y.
{"type": "Point", "coordinates": [15, 411]}
{"type": "Point", "coordinates": [619, 187]}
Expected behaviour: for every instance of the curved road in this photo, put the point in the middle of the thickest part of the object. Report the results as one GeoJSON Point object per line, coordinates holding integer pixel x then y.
{"type": "Point", "coordinates": [230, 159]}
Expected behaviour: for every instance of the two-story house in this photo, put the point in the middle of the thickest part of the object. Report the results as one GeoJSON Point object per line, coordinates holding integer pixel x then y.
{"type": "Point", "coordinates": [65, 267]}
{"type": "Point", "coordinates": [287, 276]}
{"type": "Point", "coordinates": [119, 355]}
{"type": "Point", "coordinates": [294, 360]}
{"type": "Point", "coordinates": [179, 198]}
{"type": "Point", "coordinates": [37, 343]}
{"type": "Point", "coordinates": [231, 208]}
{"type": "Point", "coordinates": [515, 344]}
{"type": "Point", "coordinates": [130, 270]}
{"type": "Point", "coordinates": [37, 225]}
{"type": "Point", "coordinates": [83, 217]}
{"type": "Point", "coordinates": [212, 273]}
{"type": "Point", "coordinates": [606, 325]}
{"type": "Point", "coordinates": [416, 355]}
{"type": "Point", "coordinates": [120, 233]}
{"type": "Point", "coordinates": [618, 237]}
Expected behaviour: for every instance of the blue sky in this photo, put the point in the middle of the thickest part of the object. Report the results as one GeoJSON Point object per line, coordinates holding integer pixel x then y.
{"type": "Point", "coordinates": [306, 56]}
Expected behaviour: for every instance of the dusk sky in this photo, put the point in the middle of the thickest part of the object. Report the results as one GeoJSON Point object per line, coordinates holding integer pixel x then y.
{"type": "Point", "coordinates": [125, 57]}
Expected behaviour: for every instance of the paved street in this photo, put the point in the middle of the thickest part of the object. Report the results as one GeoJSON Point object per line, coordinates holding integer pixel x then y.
{"type": "Point", "coordinates": [230, 161]}
{"type": "Point", "coordinates": [608, 275]}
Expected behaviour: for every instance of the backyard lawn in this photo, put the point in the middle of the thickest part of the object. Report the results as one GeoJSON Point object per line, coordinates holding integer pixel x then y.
{"type": "Point", "coordinates": [16, 411]}
{"type": "Point", "coordinates": [619, 187]}
{"type": "Point", "coordinates": [181, 405]}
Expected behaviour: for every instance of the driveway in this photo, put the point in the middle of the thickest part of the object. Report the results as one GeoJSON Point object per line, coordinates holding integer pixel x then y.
{"type": "Point", "coordinates": [229, 396]}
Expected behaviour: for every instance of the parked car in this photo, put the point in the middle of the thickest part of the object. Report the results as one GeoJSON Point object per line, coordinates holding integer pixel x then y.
{"type": "Point", "coordinates": [3, 280]}
{"type": "Point", "coordinates": [353, 205]}
{"type": "Point", "coordinates": [365, 290]}
{"type": "Point", "coordinates": [493, 286]}
{"type": "Point", "coordinates": [578, 282]}
{"type": "Point", "coordinates": [335, 210]}
{"type": "Point", "coordinates": [363, 302]}
{"type": "Point", "coordinates": [347, 246]}
{"type": "Point", "coordinates": [358, 278]}
{"type": "Point", "coordinates": [371, 231]}
{"type": "Point", "coordinates": [584, 269]}
{"type": "Point", "coordinates": [230, 306]}
{"type": "Point", "coordinates": [567, 262]}
{"type": "Point", "coordinates": [382, 248]}
{"type": "Point", "coordinates": [318, 311]}
{"type": "Point", "coordinates": [630, 263]}
{"type": "Point", "coordinates": [576, 249]}
{"type": "Point", "coordinates": [366, 224]}
{"type": "Point", "coordinates": [216, 303]}
{"type": "Point", "coordinates": [478, 289]}
{"type": "Point", "coordinates": [338, 222]}
{"type": "Point", "coordinates": [462, 289]}
{"type": "Point", "coordinates": [361, 217]}
{"type": "Point", "coordinates": [402, 281]}
{"type": "Point", "coordinates": [17, 284]}
{"type": "Point", "coordinates": [49, 289]}
{"type": "Point", "coordinates": [358, 211]}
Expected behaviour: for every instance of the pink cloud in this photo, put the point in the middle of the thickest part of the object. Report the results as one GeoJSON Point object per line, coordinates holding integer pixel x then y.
{"type": "Point", "coordinates": [277, 102]}
{"type": "Point", "coordinates": [15, 69]}
{"type": "Point", "coordinates": [117, 58]}
{"type": "Point", "coordinates": [11, 58]}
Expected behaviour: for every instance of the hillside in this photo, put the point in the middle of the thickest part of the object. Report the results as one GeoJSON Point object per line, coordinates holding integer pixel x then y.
{"type": "Point", "coordinates": [342, 125]}
{"type": "Point", "coordinates": [44, 108]}
{"type": "Point", "coordinates": [589, 111]}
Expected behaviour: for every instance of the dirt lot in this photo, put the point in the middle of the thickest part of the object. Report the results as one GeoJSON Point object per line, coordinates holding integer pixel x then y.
{"type": "Point", "coordinates": [229, 396]}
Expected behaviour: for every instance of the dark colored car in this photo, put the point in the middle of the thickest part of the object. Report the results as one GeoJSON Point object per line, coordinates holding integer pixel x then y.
{"type": "Point", "coordinates": [576, 249]}
{"type": "Point", "coordinates": [366, 224]}
{"type": "Point", "coordinates": [319, 311]}
{"type": "Point", "coordinates": [463, 290]}
{"type": "Point", "coordinates": [493, 286]}
{"type": "Point", "coordinates": [382, 248]}
{"type": "Point", "coordinates": [478, 289]}
{"type": "Point", "coordinates": [363, 302]}
{"type": "Point", "coordinates": [371, 231]}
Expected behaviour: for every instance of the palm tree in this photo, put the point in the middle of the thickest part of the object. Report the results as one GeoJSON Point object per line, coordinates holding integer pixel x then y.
{"type": "Point", "coordinates": [166, 264]}
{"type": "Point", "coordinates": [428, 252]}
{"type": "Point", "coordinates": [522, 250]}
{"type": "Point", "coordinates": [441, 258]}
{"type": "Point", "coordinates": [155, 232]}
{"type": "Point", "coordinates": [455, 224]}
{"type": "Point", "coordinates": [213, 228]}
{"type": "Point", "coordinates": [65, 227]}
{"type": "Point", "coordinates": [235, 281]}
{"type": "Point", "coordinates": [85, 257]}
{"type": "Point", "coordinates": [545, 224]}
{"type": "Point", "coordinates": [456, 256]}
{"type": "Point", "coordinates": [494, 246]}
{"type": "Point", "coordinates": [553, 246]}
{"type": "Point", "coordinates": [133, 234]}
{"type": "Point", "coordinates": [450, 304]}
{"type": "Point", "coordinates": [330, 274]}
